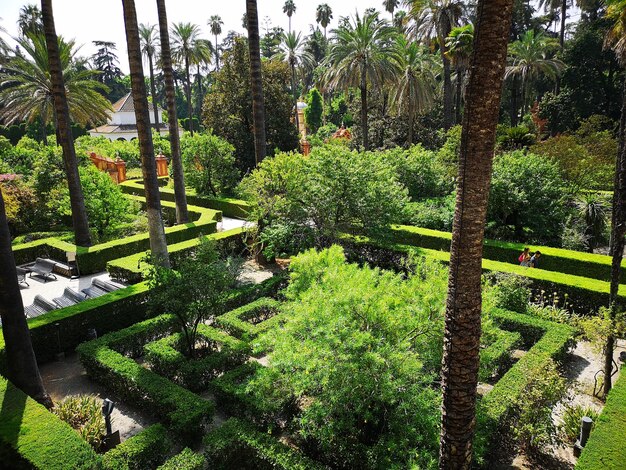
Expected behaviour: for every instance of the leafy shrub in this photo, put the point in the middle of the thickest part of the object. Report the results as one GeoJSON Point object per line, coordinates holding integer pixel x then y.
{"type": "Point", "coordinates": [314, 111]}
{"type": "Point", "coordinates": [572, 417]}
{"type": "Point", "coordinates": [511, 292]}
{"type": "Point", "coordinates": [185, 460]}
{"type": "Point", "coordinates": [515, 138]}
{"type": "Point", "coordinates": [436, 213]}
{"type": "Point", "coordinates": [209, 164]}
{"type": "Point", "coordinates": [83, 413]}
{"type": "Point", "coordinates": [144, 450]}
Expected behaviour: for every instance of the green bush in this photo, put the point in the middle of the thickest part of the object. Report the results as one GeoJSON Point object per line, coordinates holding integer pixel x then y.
{"type": "Point", "coordinates": [314, 111]}
{"type": "Point", "coordinates": [83, 413]}
{"type": "Point", "coordinates": [185, 460]}
{"type": "Point", "coordinates": [249, 321]}
{"type": "Point", "coordinates": [572, 418]}
{"type": "Point", "coordinates": [145, 450]}
{"type": "Point", "coordinates": [511, 292]}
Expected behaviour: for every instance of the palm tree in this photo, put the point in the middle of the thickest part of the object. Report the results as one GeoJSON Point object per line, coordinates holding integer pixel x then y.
{"type": "Point", "coordinates": [360, 55]}
{"type": "Point", "coordinates": [415, 85]}
{"type": "Point", "coordinates": [182, 214]}
{"type": "Point", "coordinates": [289, 9]}
{"type": "Point", "coordinates": [215, 23]}
{"type": "Point", "coordinates": [158, 244]}
{"type": "Point", "coordinates": [435, 19]}
{"type": "Point", "coordinates": [459, 44]}
{"type": "Point", "coordinates": [529, 59]}
{"type": "Point", "coordinates": [149, 42]}
{"type": "Point", "coordinates": [553, 6]}
{"type": "Point", "coordinates": [26, 88]}
{"type": "Point", "coordinates": [400, 19]}
{"type": "Point", "coordinates": [390, 6]}
{"type": "Point", "coordinates": [463, 308]}
{"type": "Point", "coordinates": [21, 361]}
{"type": "Point", "coordinates": [258, 105]}
{"type": "Point", "coordinates": [201, 57]}
{"type": "Point", "coordinates": [616, 38]}
{"type": "Point", "coordinates": [292, 50]}
{"type": "Point", "coordinates": [64, 130]}
{"type": "Point", "coordinates": [29, 20]}
{"type": "Point", "coordinates": [323, 15]}
{"type": "Point", "coordinates": [184, 37]}
{"type": "Point", "coordinates": [592, 209]}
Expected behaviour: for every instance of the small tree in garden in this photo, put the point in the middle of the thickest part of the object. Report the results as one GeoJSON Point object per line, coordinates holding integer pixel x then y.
{"type": "Point", "coordinates": [195, 292]}
{"type": "Point", "coordinates": [315, 110]}
{"type": "Point", "coordinates": [209, 163]}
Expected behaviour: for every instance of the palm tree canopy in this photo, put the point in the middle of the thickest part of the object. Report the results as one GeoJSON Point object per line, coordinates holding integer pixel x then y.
{"type": "Point", "coordinates": [390, 5]}
{"type": "Point", "coordinates": [289, 8]}
{"type": "Point", "coordinates": [361, 45]}
{"type": "Point", "coordinates": [324, 14]}
{"type": "Point", "coordinates": [292, 50]}
{"type": "Point", "coordinates": [30, 20]}
{"type": "Point", "coordinates": [459, 44]}
{"type": "Point", "coordinates": [149, 39]}
{"type": "Point", "coordinates": [183, 35]}
{"type": "Point", "coordinates": [215, 23]}
{"type": "Point", "coordinates": [26, 88]}
{"type": "Point", "coordinates": [616, 37]}
{"type": "Point", "coordinates": [436, 18]}
{"type": "Point", "coordinates": [529, 57]}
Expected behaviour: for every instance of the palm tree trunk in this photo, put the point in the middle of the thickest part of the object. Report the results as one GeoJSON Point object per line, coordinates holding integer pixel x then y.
{"type": "Point", "coordinates": [363, 88]}
{"type": "Point", "coordinates": [188, 93]}
{"type": "Point", "coordinates": [21, 361]}
{"type": "Point", "coordinates": [217, 55]}
{"type": "Point", "coordinates": [199, 100]}
{"type": "Point", "coordinates": [563, 20]}
{"type": "Point", "coordinates": [295, 97]}
{"type": "Point", "coordinates": [618, 231]}
{"type": "Point", "coordinates": [459, 94]}
{"type": "Point", "coordinates": [463, 308]}
{"type": "Point", "coordinates": [447, 81]}
{"type": "Point", "coordinates": [158, 244]}
{"type": "Point", "coordinates": [258, 104]}
{"type": "Point", "coordinates": [155, 105]}
{"type": "Point", "coordinates": [64, 130]}
{"type": "Point", "coordinates": [411, 116]}
{"type": "Point", "coordinates": [514, 105]}
{"type": "Point", "coordinates": [182, 214]}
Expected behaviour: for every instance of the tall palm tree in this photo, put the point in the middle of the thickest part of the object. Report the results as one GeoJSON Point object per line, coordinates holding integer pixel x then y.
{"type": "Point", "coordinates": [21, 361]}
{"type": "Point", "coordinates": [529, 59]}
{"type": "Point", "coordinates": [400, 19]}
{"type": "Point", "coordinates": [26, 87]}
{"type": "Point", "coordinates": [459, 44]}
{"type": "Point", "coordinates": [184, 37]}
{"type": "Point", "coordinates": [359, 56]}
{"type": "Point", "coordinates": [289, 8]}
{"type": "Point", "coordinates": [292, 50]}
{"type": "Point", "coordinates": [593, 211]}
{"type": "Point", "coordinates": [149, 43]}
{"type": "Point", "coordinates": [464, 304]}
{"type": "Point", "coordinates": [323, 15]}
{"type": "Point", "coordinates": [215, 24]}
{"type": "Point", "coordinates": [415, 85]}
{"type": "Point", "coordinates": [182, 214]}
{"type": "Point", "coordinates": [616, 38]}
{"type": "Point", "coordinates": [29, 20]}
{"type": "Point", "coordinates": [258, 105]}
{"type": "Point", "coordinates": [64, 130]}
{"type": "Point", "coordinates": [201, 54]}
{"type": "Point", "coordinates": [553, 6]}
{"type": "Point", "coordinates": [158, 244]}
{"type": "Point", "coordinates": [390, 6]}
{"type": "Point", "coordinates": [434, 19]}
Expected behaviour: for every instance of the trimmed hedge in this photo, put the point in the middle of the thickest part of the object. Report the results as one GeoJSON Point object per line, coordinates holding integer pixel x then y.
{"type": "Point", "coordinates": [238, 445]}
{"type": "Point", "coordinates": [577, 263]}
{"type": "Point", "coordinates": [184, 412]}
{"type": "Point", "coordinates": [166, 359]}
{"type": "Point", "coordinates": [32, 437]}
{"type": "Point", "coordinates": [606, 447]}
{"type": "Point", "coordinates": [185, 460]}
{"type": "Point", "coordinates": [551, 342]}
{"type": "Point", "coordinates": [230, 207]}
{"type": "Point", "coordinates": [497, 355]}
{"type": "Point", "coordinates": [251, 320]}
{"type": "Point", "coordinates": [145, 450]}
{"type": "Point", "coordinates": [93, 259]}
{"type": "Point", "coordinates": [113, 311]}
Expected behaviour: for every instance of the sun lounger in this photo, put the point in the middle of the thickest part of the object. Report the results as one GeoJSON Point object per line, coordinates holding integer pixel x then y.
{"type": "Point", "coordinates": [69, 297]}
{"type": "Point", "coordinates": [104, 285]}
{"type": "Point", "coordinates": [40, 306]}
{"type": "Point", "coordinates": [43, 267]}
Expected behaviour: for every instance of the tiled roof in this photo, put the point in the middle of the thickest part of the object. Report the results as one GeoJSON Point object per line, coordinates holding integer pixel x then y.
{"type": "Point", "coordinates": [121, 128]}
{"type": "Point", "coordinates": [126, 105]}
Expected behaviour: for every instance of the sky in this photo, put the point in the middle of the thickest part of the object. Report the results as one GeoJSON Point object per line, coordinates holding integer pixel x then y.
{"type": "Point", "coordinates": [90, 20]}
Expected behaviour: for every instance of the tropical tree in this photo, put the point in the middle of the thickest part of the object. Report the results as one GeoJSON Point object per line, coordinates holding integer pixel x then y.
{"type": "Point", "coordinates": [415, 85]}
{"type": "Point", "coordinates": [149, 42]}
{"type": "Point", "coordinates": [258, 106]}
{"type": "Point", "coordinates": [323, 15]}
{"type": "Point", "coordinates": [184, 39]}
{"type": "Point", "coordinates": [562, 5]}
{"type": "Point", "coordinates": [400, 19]}
{"type": "Point", "coordinates": [64, 130]}
{"type": "Point", "coordinates": [529, 59]}
{"type": "Point", "coordinates": [390, 6]}
{"type": "Point", "coordinates": [292, 50]}
{"type": "Point", "coordinates": [593, 211]}
{"type": "Point", "coordinates": [201, 54]}
{"type": "Point", "coordinates": [459, 44]}
{"type": "Point", "coordinates": [22, 367]}
{"type": "Point", "coordinates": [359, 56]}
{"type": "Point", "coordinates": [106, 62]}
{"type": "Point", "coordinates": [26, 87]}
{"type": "Point", "coordinates": [434, 19]}
{"type": "Point", "coordinates": [156, 231]}
{"type": "Point", "coordinates": [616, 38]}
{"type": "Point", "coordinates": [182, 214]}
{"type": "Point", "coordinates": [29, 20]}
{"type": "Point", "coordinates": [289, 8]}
{"type": "Point", "coordinates": [215, 24]}
{"type": "Point", "coordinates": [460, 364]}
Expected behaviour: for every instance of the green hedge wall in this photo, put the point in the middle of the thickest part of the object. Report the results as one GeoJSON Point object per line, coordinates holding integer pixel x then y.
{"type": "Point", "coordinates": [32, 437]}
{"type": "Point", "coordinates": [238, 445]}
{"type": "Point", "coordinates": [148, 449]}
{"type": "Point", "coordinates": [606, 447]}
{"type": "Point", "coordinates": [251, 320]}
{"type": "Point", "coordinates": [230, 207]}
{"type": "Point", "coordinates": [587, 265]}
{"type": "Point", "coordinates": [185, 460]}
{"type": "Point", "coordinates": [551, 342]}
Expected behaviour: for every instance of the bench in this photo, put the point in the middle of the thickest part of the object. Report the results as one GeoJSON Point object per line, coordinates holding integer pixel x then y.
{"type": "Point", "coordinates": [43, 267]}
{"type": "Point", "coordinates": [99, 287]}
{"type": "Point", "coordinates": [21, 275]}
{"type": "Point", "coordinates": [70, 297]}
{"type": "Point", "coordinates": [40, 306]}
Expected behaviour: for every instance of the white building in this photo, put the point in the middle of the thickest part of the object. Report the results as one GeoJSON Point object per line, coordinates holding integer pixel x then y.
{"type": "Point", "coordinates": [122, 124]}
